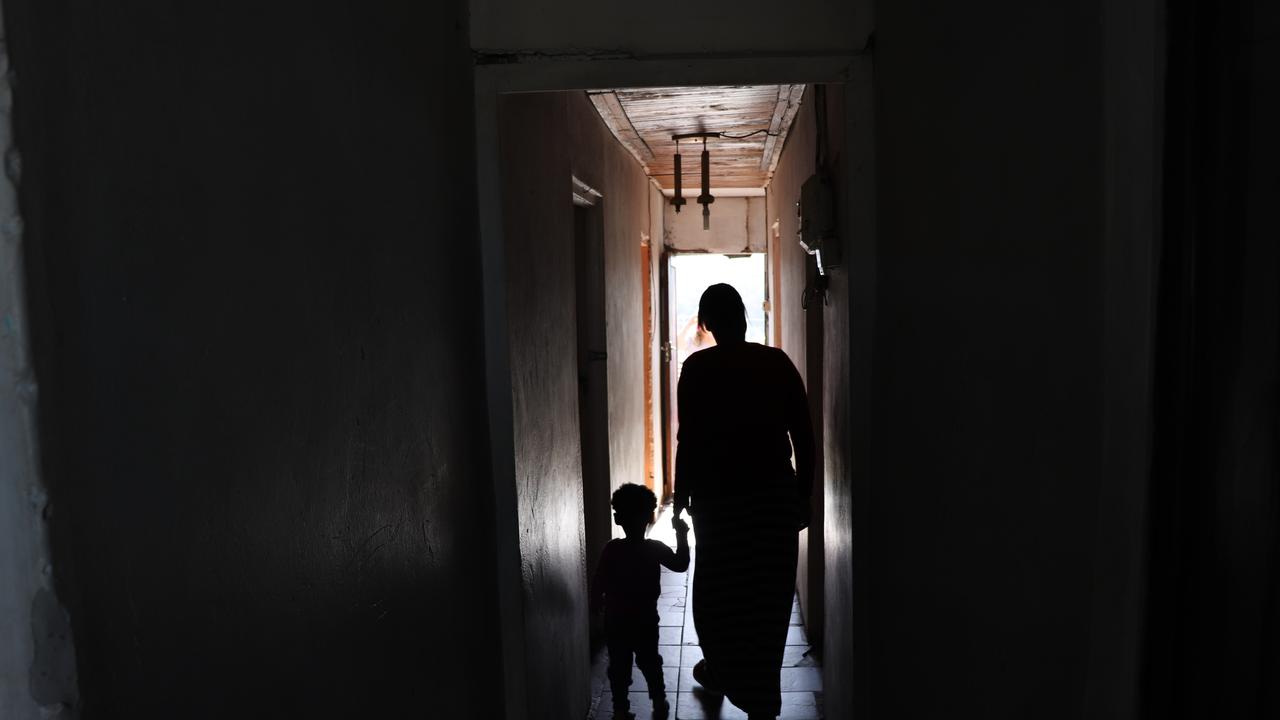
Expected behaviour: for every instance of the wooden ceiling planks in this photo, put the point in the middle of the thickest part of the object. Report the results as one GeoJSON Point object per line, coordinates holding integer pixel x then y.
{"type": "Point", "coordinates": [644, 120]}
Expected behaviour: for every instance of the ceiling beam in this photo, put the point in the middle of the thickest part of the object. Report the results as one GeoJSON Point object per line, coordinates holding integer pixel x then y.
{"type": "Point", "coordinates": [615, 117]}
{"type": "Point", "coordinates": [788, 105]}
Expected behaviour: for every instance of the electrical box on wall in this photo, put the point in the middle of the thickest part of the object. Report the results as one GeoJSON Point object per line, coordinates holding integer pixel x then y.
{"type": "Point", "coordinates": [818, 220]}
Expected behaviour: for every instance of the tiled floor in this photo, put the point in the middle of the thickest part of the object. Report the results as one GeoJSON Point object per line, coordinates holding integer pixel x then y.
{"type": "Point", "coordinates": [678, 640]}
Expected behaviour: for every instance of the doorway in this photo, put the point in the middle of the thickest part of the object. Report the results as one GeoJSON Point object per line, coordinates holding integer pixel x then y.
{"type": "Point", "coordinates": [687, 276]}
{"type": "Point", "coordinates": [593, 371]}
{"type": "Point", "coordinates": [542, 561]}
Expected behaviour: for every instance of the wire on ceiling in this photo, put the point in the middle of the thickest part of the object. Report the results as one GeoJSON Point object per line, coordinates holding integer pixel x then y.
{"type": "Point", "coordinates": [747, 135]}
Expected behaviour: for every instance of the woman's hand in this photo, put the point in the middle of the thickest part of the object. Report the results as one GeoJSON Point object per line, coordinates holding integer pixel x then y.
{"type": "Point", "coordinates": [680, 525]}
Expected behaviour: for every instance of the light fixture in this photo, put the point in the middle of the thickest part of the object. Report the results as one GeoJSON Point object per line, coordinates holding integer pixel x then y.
{"type": "Point", "coordinates": [705, 199]}
{"type": "Point", "coordinates": [678, 200]}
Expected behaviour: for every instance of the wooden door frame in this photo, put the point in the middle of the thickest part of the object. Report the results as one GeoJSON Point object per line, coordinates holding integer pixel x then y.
{"type": "Point", "coordinates": [664, 376]}
{"type": "Point", "coordinates": [647, 323]}
{"type": "Point", "coordinates": [497, 75]}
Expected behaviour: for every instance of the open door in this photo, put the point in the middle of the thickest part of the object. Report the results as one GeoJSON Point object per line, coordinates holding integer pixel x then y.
{"type": "Point", "coordinates": [646, 288]}
{"type": "Point", "coordinates": [687, 276]}
{"type": "Point", "coordinates": [670, 374]}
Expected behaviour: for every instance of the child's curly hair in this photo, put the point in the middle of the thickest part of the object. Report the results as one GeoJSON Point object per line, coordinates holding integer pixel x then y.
{"type": "Point", "coordinates": [632, 498]}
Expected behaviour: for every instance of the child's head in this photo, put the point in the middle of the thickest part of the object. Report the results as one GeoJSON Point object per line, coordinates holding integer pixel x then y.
{"type": "Point", "coordinates": [633, 507]}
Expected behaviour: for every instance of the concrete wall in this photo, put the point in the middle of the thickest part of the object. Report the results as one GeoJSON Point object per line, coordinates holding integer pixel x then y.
{"type": "Point", "coordinates": [1213, 613]}
{"type": "Point", "coordinates": [601, 162]}
{"type": "Point", "coordinates": [1133, 139]}
{"type": "Point", "coordinates": [986, 417]}
{"type": "Point", "coordinates": [593, 29]}
{"type": "Point", "coordinates": [254, 292]}
{"type": "Point", "coordinates": [547, 138]}
{"type": "Point", "coordinates": [848, 415]}
{"type": "Point", "coordinates": [737, 225]}
{"type": "Point", "coordinates": [794, 167]}
{"type": "Point", "coordinates": [37, 658]}
{"type": "Point", "coordinates": [967, 522]}
{"type": "Point", "coordinates": [538, 217]}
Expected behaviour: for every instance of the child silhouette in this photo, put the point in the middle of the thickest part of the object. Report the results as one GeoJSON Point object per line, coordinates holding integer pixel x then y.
{"type": "Point", "coordinates": [627, 585]}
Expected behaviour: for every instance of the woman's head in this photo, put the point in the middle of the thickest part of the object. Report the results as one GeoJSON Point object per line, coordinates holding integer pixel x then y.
{"type": "Point", "coordinates": [722, 313]}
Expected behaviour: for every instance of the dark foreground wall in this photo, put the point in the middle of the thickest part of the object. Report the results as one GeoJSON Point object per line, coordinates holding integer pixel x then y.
{"type": "Point", "coordinates": [254, 293]}
{"type": "Point", "coordinates": [987, 404]}
{"type": "Point", "coordinates": [1213, 627]}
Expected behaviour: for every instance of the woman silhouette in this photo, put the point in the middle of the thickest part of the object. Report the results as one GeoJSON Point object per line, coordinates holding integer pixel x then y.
{"type": "Point", "coordinates": [742, 412]}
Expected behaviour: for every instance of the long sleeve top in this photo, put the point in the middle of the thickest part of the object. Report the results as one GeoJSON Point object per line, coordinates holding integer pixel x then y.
{"type": "Point", "coordinates": [742, 411]}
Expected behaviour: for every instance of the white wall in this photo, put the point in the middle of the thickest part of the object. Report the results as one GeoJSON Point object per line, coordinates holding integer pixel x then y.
{"type": "Point", "coordinates": [737, 225]}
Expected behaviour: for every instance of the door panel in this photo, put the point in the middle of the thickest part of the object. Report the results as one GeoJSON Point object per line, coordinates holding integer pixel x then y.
{"type": "Point", "coordinates": [593, 402]}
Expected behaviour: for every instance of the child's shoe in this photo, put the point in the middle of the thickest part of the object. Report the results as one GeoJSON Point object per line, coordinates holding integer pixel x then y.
{"type": "Point", "coordinates": [622, 710]}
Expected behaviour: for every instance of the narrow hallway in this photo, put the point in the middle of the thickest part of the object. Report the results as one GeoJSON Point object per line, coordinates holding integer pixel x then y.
{"type": "Point", "coordinates": [327, 330]}
{"type": "Point", "coordinates": [598, 315]}
{"type": "Point", "coordinates": [678, 645]}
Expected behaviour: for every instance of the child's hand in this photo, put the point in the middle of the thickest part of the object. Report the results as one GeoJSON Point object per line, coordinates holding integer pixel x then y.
{"type": "Point", "coordinates": [680, 525]}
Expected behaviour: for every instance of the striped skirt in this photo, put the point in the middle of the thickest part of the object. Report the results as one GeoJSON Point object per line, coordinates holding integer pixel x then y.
{"type": "Point", "coordinates": [743, 585]}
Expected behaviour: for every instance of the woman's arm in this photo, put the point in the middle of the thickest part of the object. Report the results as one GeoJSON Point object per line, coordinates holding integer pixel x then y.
{"type": "Point", "coordinates": [799, 427]}
{"type": "Point", "coordinates": [685, 437]}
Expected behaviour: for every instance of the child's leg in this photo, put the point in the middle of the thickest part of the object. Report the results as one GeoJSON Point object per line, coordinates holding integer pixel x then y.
{"type": "Point", "coordinates": [649, 661]}
{"type": "Point", "coordinates": [619, 667]}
